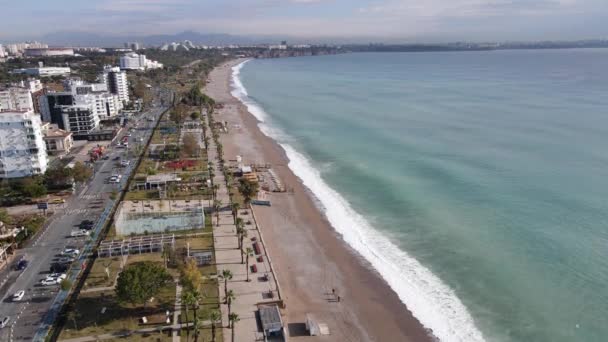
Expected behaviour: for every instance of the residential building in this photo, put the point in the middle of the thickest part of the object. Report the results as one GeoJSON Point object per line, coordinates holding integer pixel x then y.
{"type": "Point", "coordinates": [79, 119]}
{"type": "Point", "coordinates": [16, 98]}
{"type": "Point", "coordinates": [22, 147]}
{"type": "Point", "coordinates": [50, 106]}
{"type": "Point", "coordinates": [44, 71]}
{"type": "Point", "coordinates": [2, 53]}
{"type": "Point", "coordinates": [57, 140]}
{"type": "Point", "coordinates": [116, 81]}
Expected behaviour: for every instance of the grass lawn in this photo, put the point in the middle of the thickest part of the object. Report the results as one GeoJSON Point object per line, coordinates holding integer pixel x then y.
{"type": "Point", "coordinates": [117, 317]}
{"type": "Point", "coordinates": [141, 195]}
{"type": "Point", "coordinates": [98, 276]}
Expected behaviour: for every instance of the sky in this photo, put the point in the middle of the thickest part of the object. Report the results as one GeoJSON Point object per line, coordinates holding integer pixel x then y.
{"type": "Point", "coordinates": [367, 20]}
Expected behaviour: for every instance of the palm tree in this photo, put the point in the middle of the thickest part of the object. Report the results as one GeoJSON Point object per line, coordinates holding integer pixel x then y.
{"type": "Point", "coordinates": [72, 315]}
{"type": "Point", "coordinates": [214, 316]}
{"type": "Point", "coordinates": [230, 296]}
{"type": "Point", "coordinates": [233, 318]}
{"type": "Point", "coordinates": [187, 300]}
{"type": "Point", "coordinates": [241, 237]}
{"type": "Point", "coordinates": [198, 325]}
{"type": "Point", "coordinates": [226, 275]}
{"type": "Point", "coordinates": [249, 253]}
{"type": "Point", "coordinates": [235, 210]}
{"type": "Point", "coordinates": [217, 204]}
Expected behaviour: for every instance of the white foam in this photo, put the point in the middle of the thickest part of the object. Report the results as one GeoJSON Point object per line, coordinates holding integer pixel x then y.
{"type": "Point", "coordinates": [432, 302]}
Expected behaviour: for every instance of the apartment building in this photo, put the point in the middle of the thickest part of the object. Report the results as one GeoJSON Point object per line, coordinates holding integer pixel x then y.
{"type": "Point", "coordinates": [22, 147]}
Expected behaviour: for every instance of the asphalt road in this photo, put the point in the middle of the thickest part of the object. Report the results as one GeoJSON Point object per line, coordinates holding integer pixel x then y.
{"type": "Point", "coordinates": [87, 203]}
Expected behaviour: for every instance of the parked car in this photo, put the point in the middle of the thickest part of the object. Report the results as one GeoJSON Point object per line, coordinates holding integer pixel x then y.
{"type": "Point", "coordinates": [125, 162]}
{"type": "Point", "coordinates": [116, 158]}
{"type": "Point", "coordinates": [60, 267]}
{"type": "Point", "coordinates": [78, 233]}
{"type": "Point", "coordinates": [18, 296]}
{"type": "Point", "coordinates": [48, 282]}
{"type": "Point", "coordinates": [58, 201]}
{"type": "Point", "coordinates": [4, 322]}
{"type": "Point", "coordinates": [21, 265]}
{"type": "Point", "coordinates": [70, 251]}
{"type": "Point", "coordinates": [86, 224]}
{"type": "Point", "coordinates": [58, 275]}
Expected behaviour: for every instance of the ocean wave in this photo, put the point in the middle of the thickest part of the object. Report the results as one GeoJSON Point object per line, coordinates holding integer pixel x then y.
{"type": "Point", "coordinates": [432, 302]}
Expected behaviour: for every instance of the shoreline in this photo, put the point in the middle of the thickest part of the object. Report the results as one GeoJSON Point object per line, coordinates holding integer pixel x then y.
{"type": "Point", "coordinates": [310, 257]}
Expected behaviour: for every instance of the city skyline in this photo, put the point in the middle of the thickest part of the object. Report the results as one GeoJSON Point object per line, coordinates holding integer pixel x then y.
{"type": "Point", "coordinates": [371, 20]}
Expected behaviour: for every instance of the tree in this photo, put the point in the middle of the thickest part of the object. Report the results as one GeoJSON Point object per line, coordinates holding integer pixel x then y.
{"type": "Point", "coordinates": [81, 172]}
{"type": "Point", "coordinates": [5, 217]}
{"type": "Point", "coordinates": [248, 189]}
{"type": "Point", "coordinates": [187, 301]}
{"type": "Point", "coordinates": [195, 115]}
{"type": "Point", "coordinates": [242, 235]}
{"type": "Point", "coordinates": [235, 210]}
{"type": "Point", "coordinates": [65, 284]}
{"type": "Point", "coordinates": [248, 252]}
{"type": "Point", "coordinates": [226, 275]}
{"type": "Point", "coordinates": [233, 318]}
{"type": "Point", "coordinates": [191, 275]}
{"type": "Point", "coordinates": [190, 146]}
{"type": "Point", "coordinates": [230, 298]}
{"type": "Point", "coordinates": [33, 187]}
{"type": "Point", "coordinates": [141, 281]}
{"type": "Point", "coordinates": [58, 176]}
{"type": "Point", "coordinates": [72, 316]}
{"type": "Point", "coordinates": [217, 205]}
{"type": "Point", "coordinates": [214, 316]}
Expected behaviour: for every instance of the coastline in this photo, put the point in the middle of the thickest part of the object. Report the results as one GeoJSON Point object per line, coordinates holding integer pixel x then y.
{"type": "Point", "coordinates": [309, 256]}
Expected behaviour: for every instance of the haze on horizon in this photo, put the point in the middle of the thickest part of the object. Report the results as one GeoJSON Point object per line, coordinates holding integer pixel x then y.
{"type": "Point", "coordinates": [381, 20]}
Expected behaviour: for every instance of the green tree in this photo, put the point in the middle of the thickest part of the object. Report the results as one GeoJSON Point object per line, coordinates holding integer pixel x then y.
{"type": "Point", "coordinates": [217, 205]}
{"type": "Point", "coordinates": [230, 298]}
{"type": "Point", "coordinates": [233, 318]}
{"type": "Point", "coordinates": [235, 210]}
{"type": "Point", "coordinates": [195, 115]}
{"type": "Point", "coordinates": [5, 217]}
{"type": "Point", "coordinates": [65, 284]}
{"type": "Point", "coordinates": [141, 281]}
{"type": "Point", "coordinates": [249, 253]}
{"type": "Point", "coordinates": [214, 316]}
{"type": "Point", "coordinates": [81, 172]}
{"type": "Point", "coordinates": [248, 189]}
{"type": "Point", "coordinates": [225, 276]}
{"type": "Point", "coordinates": [33, 187]}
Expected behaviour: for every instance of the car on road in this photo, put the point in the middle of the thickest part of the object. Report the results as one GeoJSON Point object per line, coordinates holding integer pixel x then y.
{"type": "Point", "coordinates": [70, 251]}
{"type": "Point", "coordinates": [58, 201]}
{"type": "Point", "coordinates": [21, 265]}
{"type": "Point", "coordinates": [57, 275]}
{"type": "Point", "coordinates": [115, 179]}
{"type": "Point", "coordinates": [66, 260]}
{"type": "Point", "coordinates": [125, 163]}
{"type": "Point", "coordinates": [48, 282]}
{"type": "Point", "coordinates": [18, 296]}
{"type": "Point", "coordinates": [4, 322]}
{"type": "Point", "coordinates": [128, 135]}
{"type": "Point", "coordinates": [80, 232]}
{"type": "Point", "coordinates": [116, 158]}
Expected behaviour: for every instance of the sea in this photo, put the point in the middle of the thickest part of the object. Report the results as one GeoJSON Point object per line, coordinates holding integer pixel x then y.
{"type": "Point", "coordinates": [475, 183]}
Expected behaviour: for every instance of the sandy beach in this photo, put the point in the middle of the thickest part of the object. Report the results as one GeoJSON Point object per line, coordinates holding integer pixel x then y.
{"type": "Point", "coordinates": [309, 257]}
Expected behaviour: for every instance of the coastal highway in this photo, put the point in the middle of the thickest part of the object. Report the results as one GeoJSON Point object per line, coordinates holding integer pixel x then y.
{"type": "Point", "coordinates": [87, 203]}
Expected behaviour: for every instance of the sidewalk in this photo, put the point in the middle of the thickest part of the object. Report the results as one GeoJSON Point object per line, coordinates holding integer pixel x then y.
{"type": "Point", "coordinates": [228, 257]}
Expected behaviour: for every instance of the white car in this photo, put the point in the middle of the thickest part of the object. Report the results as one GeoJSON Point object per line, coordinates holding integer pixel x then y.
{"type": "Point", "coordinates": [71, 251]}
{"type": "Point", "coordinates": [80, 232]}
{"type": "Point", "coordinates": [48, 282]}
{"type": "Point", "coordinates": [4, 322]}
{"type": "Point", "coordinates": [60, 276]}
{"type": "Point", "coordinates": [125, 162]}
{"type": "Point", "coordinates": [18, 296]}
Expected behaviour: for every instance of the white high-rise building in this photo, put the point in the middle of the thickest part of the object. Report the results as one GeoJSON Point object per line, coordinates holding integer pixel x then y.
{"type": "Point", "coordinates": [2, 53]}
{"type": "Point", "coordinates": [117, 83]}
{"type": "Point", "coordinates": [133, 61]}
{"type": "Point", "coordinates": [16, 98]}
{"type": "Point", "coordinates": [80, 118]}
{"type": "Point", "coordinates": [22, 146]}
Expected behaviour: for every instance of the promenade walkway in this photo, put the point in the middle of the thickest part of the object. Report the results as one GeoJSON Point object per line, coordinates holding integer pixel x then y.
{"type": "Point", "coordinates": [262, 285]}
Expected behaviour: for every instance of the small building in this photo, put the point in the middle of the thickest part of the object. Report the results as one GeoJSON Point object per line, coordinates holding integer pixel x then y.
{"type": "Point", "coordinates": [270, 317]}
{"type": "Point", "coordinates": [57, 140]}
{"type": "Point", "coordinates": [44, 71]}
{"type": "Point", "coordinates": [160, 181]}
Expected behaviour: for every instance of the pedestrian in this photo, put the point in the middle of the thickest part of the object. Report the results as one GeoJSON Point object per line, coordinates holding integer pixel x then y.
{"type": "Point", "coordinates": [333, 291]}
{"type": "Point", "coordinates": [338, 299]}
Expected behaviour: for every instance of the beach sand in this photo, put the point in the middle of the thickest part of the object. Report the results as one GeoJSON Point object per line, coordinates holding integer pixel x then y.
{"type": "Point", "coordinates": [310, 258]}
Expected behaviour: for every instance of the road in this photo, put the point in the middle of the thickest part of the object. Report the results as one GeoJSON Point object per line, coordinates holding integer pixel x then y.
{"type": "Point", "coordinates": [88, 202]}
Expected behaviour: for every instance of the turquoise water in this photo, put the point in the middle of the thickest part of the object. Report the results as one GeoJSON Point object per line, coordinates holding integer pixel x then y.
{"type": "Point", "coordinates": [480, 178]}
